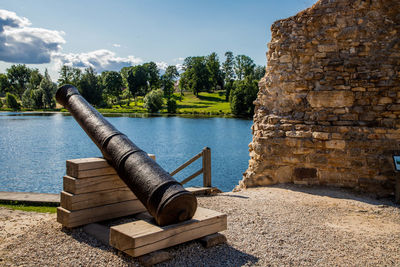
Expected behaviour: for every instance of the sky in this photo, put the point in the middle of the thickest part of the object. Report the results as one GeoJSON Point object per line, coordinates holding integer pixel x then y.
{"type": "Point", "coordinates": [109, 35]}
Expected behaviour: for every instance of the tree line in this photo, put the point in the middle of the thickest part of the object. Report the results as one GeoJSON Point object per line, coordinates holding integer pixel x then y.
{"type": "Point", "coordinates": [237, 76]}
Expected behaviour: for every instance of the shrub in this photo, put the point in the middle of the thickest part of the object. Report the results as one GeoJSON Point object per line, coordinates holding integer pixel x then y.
{"type": "Point", "coordinates": [242, 97]}
{"type": "Point", "coordinates": [153, 101]}
{"type": "Point", "coordinates": [11, 101]}
{"type": "Point", "coordinates": [171, 106]}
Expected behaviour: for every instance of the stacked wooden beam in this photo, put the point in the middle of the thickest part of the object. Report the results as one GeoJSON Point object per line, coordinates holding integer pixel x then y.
{"type": "Point", "coordinates": [92, 192]}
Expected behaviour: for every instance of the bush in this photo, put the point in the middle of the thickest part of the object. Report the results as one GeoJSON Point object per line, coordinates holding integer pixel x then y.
{"type": "Point", "coordinates": [153, 101]}
{"type": "Point", "coordinates": [11, 101]}
{"type": "Point", "coordinates": [171, 106]}
{"type": "Point", "coordinates": [242, 97]}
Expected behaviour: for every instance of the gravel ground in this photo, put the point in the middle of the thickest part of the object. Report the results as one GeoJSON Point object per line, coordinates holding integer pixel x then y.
{"type": "Point", "coordinates": [285, 225]}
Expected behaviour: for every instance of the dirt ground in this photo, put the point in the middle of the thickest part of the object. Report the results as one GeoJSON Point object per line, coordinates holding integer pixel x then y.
{"type": "Point", "coordinates": [284, 225]}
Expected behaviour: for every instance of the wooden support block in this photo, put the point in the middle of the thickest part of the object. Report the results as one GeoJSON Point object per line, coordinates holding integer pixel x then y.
{"type": "Point", "coordinates": [74, 202]}
{"type": "Point", "coordinates": [99, 183]}
{"type": "Point", "coordinates": [154, 258]}
{"type": "Point", "coordinates": [142, 237]}
{"type": "Point", "coordinates": [90, 167]}
{"type": "Point", "coordinates": [81, 217]}
{"type": "Point", "coordinates": [212, 240]}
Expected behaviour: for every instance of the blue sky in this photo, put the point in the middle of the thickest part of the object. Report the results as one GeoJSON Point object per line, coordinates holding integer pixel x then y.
{"type": "Point", "coordinates": [112, 34]}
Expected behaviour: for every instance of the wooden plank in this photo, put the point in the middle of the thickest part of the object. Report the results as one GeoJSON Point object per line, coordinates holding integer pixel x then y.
{"type": "Point", "coordinates": [90, 167]}
{"type": "Point", "coordinates": [81, 217]}
{"type": "Point", "coordinates": [187, 163]}
{"type": "Point", "coordinates": [207, 167]}
{"type": "Point", "coordinates": [212, 240]}
{"type": "Point", "coordinates": [142, 237]}
{"type": "Point", "coordinates": [194, 175]}
{"type": "Point", "coordinates": [94, 199]}
{"type": "Point", "coordinates": [154, 258]}
{"type": "Point", "coordinates": [203, 190]}
{"type": "Point", "coordinates": [91, 173]}
{"type": "Point", "coordinates": [99, 183]}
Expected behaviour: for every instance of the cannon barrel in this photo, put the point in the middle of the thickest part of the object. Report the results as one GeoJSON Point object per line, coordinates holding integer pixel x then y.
{"type": "Point", "coordinates": [164, 197]}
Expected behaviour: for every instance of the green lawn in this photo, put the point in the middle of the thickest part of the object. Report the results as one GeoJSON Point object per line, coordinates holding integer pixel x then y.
{"type": "Point", "coordinates": [205, 104]}
{"type": "Point", "coordinates": [30, 208]}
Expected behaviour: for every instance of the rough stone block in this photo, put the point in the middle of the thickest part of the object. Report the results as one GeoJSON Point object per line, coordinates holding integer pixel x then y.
{"type": "Point", "coordinates": [330, 99]}
{"type": "Point", "coordinates": [304, 173]}
{"type": "Point", "coordinates": [335, 144]}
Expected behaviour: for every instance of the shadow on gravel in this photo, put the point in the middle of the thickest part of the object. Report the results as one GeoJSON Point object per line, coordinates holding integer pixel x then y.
{"type": "Point", "coordinates": [191, 253]}
{"type": "Point", "coordinates": [341, 193]}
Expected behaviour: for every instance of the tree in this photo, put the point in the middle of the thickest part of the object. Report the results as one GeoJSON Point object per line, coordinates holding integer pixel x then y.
{"type": "Point", "coordinates": [35, 79]}
{"type": "Point", "coordinates": [196, 76]}
{"type": "Point", "coordinates": [242, 97]}
{"type": "Point", "coordinates": [168, 80]}
{"type": "Point", "coordinates": [69, 75]}
{"type": "Point", "coordinates": [152, 75]}
{"type": "Point", "coordinates": [228, 73]}
{"type": "Point", "coordinates": [216, 79]}
{"type": "Point", "coordinates": [11, 101]}
{"type": "Point", "coordinates": [5, 85]}
{"type": "Point", "coordinates": [259, 72]}
{"type": "Point", "coordinates": [18, 76]}
{"type": "Point", "coordinates": [153, 101]}
{"type": "Point", "coordinates": [112, 83]}
{"type": "Point", "coordinates": [137, 81]}
{"type": "Point", "coordinates": [48, 89]}
{"type": "Point", "coordinates": [90, 87]}
{"type": "Point", "coordinates": [244, 66]}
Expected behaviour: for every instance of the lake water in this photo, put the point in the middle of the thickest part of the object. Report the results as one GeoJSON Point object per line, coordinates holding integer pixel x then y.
{"type": "Point", "coordinates": [35, 146]}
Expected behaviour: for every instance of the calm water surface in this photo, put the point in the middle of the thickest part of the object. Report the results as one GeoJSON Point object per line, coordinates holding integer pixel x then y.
{"type": "Point", "coordinates": [34, 147]}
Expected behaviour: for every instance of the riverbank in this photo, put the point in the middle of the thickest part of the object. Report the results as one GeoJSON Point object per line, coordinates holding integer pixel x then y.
{"type": "Point", "coordinates": [273, 226]}
{"type": "Point", "coordinates": [206, 104]}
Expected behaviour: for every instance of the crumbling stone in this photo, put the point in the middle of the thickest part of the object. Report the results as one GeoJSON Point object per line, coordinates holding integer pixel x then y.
{"type": "Point", "coordinates": [328, 108]}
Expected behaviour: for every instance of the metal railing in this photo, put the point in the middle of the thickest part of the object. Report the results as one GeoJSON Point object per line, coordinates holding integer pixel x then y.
{"type": "Point", "coordinates": [205, 170]}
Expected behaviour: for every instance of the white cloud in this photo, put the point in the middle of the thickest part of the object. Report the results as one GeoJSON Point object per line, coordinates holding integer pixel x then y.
{"type": "Point", "coordinates": [116, 45]}
{"type": "Point", "coordinates": [162, 65]}
{"type": "Point", "coordinates": [20, 43]}
{"type": "Point", "coordinates": [100, 60]}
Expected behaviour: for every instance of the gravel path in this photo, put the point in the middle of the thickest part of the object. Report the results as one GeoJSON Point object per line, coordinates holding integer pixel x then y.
{"type": "Point", "coordinates": [286, 225]}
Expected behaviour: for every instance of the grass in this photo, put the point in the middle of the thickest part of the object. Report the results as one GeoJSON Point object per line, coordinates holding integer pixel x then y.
{"type": "Point", "coordinates": [19, 206]}
{"type": "Point", "coordinates": [205, 104]}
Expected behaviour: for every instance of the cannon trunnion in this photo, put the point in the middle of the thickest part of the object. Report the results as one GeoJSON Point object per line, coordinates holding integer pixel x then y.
{"type": "Point", "coordinates": [164, 197]}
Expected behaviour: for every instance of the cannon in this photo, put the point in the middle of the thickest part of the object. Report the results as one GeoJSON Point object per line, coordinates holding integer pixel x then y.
{"type": "Point", "coordinates": [164, 197]}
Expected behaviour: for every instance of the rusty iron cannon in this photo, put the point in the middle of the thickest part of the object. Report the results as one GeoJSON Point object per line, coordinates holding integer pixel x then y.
{"type": "Point", "coordinates": [164, 197]}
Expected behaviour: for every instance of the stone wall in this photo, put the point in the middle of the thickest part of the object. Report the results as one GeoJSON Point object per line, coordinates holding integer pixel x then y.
{"type": "Point", "coordinates": [328, 108]}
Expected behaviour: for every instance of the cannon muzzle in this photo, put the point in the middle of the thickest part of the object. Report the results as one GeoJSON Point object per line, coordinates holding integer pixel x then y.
{"type": "Point", "coordinates": [164, 197]}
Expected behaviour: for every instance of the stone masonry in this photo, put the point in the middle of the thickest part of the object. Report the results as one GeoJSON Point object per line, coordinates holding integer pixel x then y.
{"type": "Point", "coordinates": [328, 108]}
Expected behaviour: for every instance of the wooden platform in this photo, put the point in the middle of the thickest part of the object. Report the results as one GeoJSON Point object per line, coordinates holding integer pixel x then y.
{"type": "Point", "coordinates": [144, 236]}
{"type": "Point", "coordinates": [93, 192]}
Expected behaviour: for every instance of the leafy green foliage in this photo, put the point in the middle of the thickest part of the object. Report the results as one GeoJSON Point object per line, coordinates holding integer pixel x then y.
{"type": "Point", "coordinates": [90, 87]}
{"type": "Point", "coordinates": [228, 73]}
{"type": "Point", "coordinates": [5, 85]}
{"type": "Point", "coordinates": [137, 81]}
{"type": "Point", "coordinates": [152, 75]}
{"type": "Point", "coordinates": [171, 106]}
{"type": "Point", "coordinates": [18, 77]}
{"type": "Point", "coordinates": [168, 80]}
{"type": "Point", "coordinates": [243, 96]}
{"type": "Point", "coordinates": [48, 89]}
{"type": "Point", "coordinates": [112, 83]}
{"type": "Point", "coordinates": [153, 101]}
{"type": "Point", "coordinates": [69, 75]}
{"type": "Point", "coordinates": [11, 101]}
{"type": "Point", "coordinates": [244, 66]}
{"type": "Point", "coordinates": [196, 76]}
{"type": "Point", "coordinates": [216, 78]}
